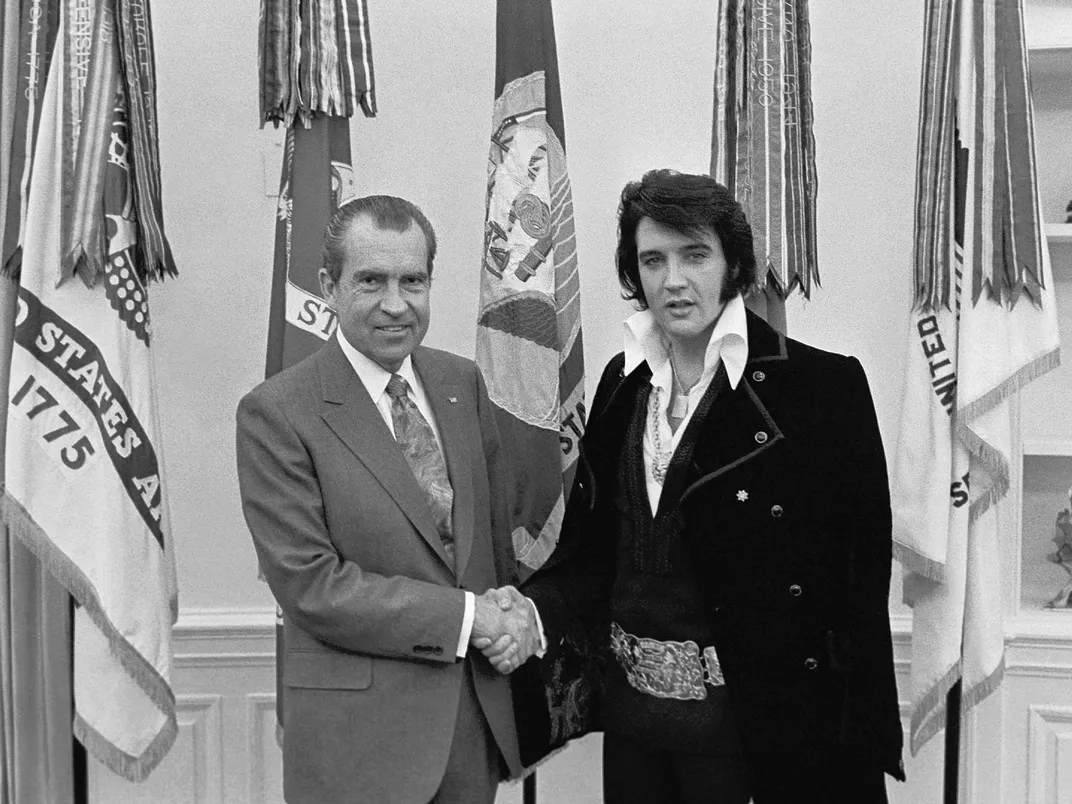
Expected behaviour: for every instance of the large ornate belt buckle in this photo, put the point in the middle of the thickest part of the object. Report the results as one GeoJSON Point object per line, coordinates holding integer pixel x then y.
{"type": "Point", "coordinates": [666, 669]}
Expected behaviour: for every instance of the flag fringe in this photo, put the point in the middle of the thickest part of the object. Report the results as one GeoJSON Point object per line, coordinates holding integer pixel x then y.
{"type": "Point", "coordinates": [1036, 368]}
{"type": "Point", "coordinates": [977, 694]}
{"type": "Point", "coordinates": [991, 457]}
{"type": "Point", "coordinates": [27, 531]}
{"type": "Point", "coordinates": [916, 562]}
{"type": "Point", "coordinates": [930, 714]}
{"type": "Point", "coordinates": [133, 769]}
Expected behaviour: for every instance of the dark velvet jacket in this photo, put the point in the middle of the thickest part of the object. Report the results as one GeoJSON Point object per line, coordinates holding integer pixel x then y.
{"type": "Point", "coordinates": [786, 512]}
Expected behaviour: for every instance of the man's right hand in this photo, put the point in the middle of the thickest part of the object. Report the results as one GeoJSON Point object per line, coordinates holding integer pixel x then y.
{"type": "Point", "coordinates": [504, 628]}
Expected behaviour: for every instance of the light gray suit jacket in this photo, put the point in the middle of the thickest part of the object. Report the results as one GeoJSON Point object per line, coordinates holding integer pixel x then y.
{"type": "Point", "coordinates": [372, 608]}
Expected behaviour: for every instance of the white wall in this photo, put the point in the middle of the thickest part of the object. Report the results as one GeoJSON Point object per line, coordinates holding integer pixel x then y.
{"type": "Point", "coordinates": [636, 85]}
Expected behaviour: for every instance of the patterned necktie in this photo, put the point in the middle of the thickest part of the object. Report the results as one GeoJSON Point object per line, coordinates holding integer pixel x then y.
{"type": "Point", "coordinates": [414, 434]}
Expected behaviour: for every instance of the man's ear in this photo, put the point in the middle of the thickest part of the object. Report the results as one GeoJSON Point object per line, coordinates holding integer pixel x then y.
{"type": "Point", "coordinates": [327, 286]}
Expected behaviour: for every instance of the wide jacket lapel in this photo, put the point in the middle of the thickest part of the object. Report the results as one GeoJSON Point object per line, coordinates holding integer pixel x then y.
{"type": "Point", "coordinates": [350, 412]}
{"type": "Point", "coordinates": [452, 410]}
{"type": "Point", "coordinates": [738, 426]}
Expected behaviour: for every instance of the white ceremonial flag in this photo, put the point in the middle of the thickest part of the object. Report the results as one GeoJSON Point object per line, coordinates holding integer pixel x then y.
{"type": "Point", "coordinates": [952, 468]}
{"type": "Point", "coordinates": [83, 485]}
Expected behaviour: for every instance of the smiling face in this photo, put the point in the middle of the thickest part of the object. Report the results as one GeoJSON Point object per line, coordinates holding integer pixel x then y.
{"type": "Point", "coordinates": [682, 276]}
{"type": "Point", "coordinates": [382, 293]}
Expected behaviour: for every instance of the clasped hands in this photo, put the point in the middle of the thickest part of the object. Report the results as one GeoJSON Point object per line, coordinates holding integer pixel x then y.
{"type": "Point", "coordinates": [505, 629]}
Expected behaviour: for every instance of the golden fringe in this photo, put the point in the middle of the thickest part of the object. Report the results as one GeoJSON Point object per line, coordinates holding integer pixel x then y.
{"type": "Point", "coordinates": [929, 716]}
{"type": "Point", "coordinates": [24, 528]}
{"type": "Point", "coordinates": [916, 562]}
{"type": "Point", "coordinates": [991, 458]}
{"type": "Point", "coordinates": [131, 768]}
{"type": "Point", "coordinates": [974, 696]}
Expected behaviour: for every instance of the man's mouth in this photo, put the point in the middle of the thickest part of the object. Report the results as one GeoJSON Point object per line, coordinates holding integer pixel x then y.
{"type": "Point", "coordinates": [394, 328]}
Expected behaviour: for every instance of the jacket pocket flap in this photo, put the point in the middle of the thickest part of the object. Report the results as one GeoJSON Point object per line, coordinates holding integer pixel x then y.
{"type": "Point", "coordinates": [327, 671]}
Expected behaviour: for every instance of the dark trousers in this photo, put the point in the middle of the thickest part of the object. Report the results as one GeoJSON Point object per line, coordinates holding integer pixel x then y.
{"type": "Point", "coordinates": [634, 773]}
{"type": "Point", "coordinates": [474, 765]}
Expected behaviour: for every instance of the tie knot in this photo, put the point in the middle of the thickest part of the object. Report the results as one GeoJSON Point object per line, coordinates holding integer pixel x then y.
{"type": "Point", "coordinates": [397, 386]}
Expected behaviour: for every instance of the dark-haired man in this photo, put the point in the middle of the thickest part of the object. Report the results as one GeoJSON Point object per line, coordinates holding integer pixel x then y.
{"type": "Point", "coordinates": [373, 488]}
{"type": "Point", "coordinates": [728, 537]}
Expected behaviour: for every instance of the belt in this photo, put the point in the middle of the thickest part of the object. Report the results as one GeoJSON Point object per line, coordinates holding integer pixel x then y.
{"type": "Point", "coordinates": [677, 670]}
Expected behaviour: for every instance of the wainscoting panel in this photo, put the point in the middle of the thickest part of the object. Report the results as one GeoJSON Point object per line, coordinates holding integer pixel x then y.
{"type": "Point", "coordinates": [1017, 746]}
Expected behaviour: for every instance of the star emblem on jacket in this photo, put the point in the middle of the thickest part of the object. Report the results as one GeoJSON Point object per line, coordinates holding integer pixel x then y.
{"type": "Point", "coordinates": [742, 495]}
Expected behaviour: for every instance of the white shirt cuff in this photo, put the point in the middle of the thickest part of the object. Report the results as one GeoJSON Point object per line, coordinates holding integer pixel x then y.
{"type": "Point", "coordinates": [539, 624]}
{"type": "Point", "coordinates": [467, 624]}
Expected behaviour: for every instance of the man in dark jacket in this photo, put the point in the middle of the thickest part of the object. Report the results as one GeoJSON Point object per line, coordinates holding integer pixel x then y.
{"type": "Point", "coordinates": [727, 542]}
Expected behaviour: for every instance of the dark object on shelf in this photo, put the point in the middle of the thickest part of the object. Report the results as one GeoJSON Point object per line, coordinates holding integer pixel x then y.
{"type": "Point", "coordinates": [1062, 556]}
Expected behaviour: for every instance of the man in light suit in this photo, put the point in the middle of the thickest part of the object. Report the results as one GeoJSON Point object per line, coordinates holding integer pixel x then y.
{"type": "Point", "coordinates": [373, 487]}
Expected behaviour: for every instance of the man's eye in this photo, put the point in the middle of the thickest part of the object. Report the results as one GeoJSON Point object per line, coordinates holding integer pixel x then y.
{"type": "Point", "coordinates": [698, 256]}
{"type": "Point", "coordinates": [651, 262]}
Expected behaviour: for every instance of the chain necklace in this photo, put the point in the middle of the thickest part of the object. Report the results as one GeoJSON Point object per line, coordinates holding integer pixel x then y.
{"type": "Point", "coordinates": [660, 461]}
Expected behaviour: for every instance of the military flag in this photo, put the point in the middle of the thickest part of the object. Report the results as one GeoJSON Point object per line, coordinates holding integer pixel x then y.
{"type": "Point", "coordinates": [316, 59]}
{"type": "Point", "coordinates": [528, 338]}
{"type": "Point", "coordinates": [763, 148]}
{"type": "Point", "coordinates": [303, 72]}
{"type": "Point", "coordinates": [984, 326]}
{"type": "Point", "coordinates": [83, 484]}
{"type": "Point", "coordinates": [37, 23]}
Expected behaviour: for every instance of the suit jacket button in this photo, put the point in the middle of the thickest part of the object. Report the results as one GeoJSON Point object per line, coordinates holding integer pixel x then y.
{"type": "Point", "coordinates": [795, 590]}
{"type": "Point", "coordinates": [761, 437]}
{"type": "Point", "coordinates": [776, 511]}
{"type": "Point", "coordinates": [811, 663]}
{"type": "Point", "coordinates": [759, 376]}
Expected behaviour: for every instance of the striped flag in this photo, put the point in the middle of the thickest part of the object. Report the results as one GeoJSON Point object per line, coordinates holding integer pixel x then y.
{"type": "Point", "coordinates": [38, 22]}
{"type": "Point", "coordinates": [528, 339]}
{"type": "Point", "coordinates": [316, 59]}
{"type": "Point", "coordinates": [763, 148]}
{"type": "Point", "coordinates": [984, 327]}
{"type": "Point", "coordinates": [83, 483]}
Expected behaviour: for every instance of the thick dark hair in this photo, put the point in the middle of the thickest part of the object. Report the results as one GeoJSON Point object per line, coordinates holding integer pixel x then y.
{"type": "Point", "coordinates": [688, 204]}
{"type": "Point", "coordinates": [387, 212]}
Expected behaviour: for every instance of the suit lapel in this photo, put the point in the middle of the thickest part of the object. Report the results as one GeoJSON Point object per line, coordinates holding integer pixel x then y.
{"type": "Point", "coordinates": [452, 410]}
{"type": "Point", "coordinates": [738, 427]}
{"type": "Point", "coordinates": [350, 412]}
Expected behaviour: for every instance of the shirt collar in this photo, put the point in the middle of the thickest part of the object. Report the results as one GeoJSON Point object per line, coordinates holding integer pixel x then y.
{"type": "Point", "coordinates": [645, 342]}
{"type": "Point", "coordinates": [372, 375]}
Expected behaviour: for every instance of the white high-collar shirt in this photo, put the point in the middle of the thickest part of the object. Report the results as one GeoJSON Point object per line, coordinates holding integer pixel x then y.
{"type": "Point", "coordinates": [646, 342]}
{"type": "Point", "coordinates": [375, 378]}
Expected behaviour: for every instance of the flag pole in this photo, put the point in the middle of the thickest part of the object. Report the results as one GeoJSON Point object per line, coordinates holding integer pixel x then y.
{"type": "Point", "coordinates": [528, 791]}
{"type": "Point", "coordinates": [952, 744]}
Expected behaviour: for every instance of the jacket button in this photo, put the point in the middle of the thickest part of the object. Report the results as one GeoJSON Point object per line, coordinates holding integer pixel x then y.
{"type": "Point", "coordinates": [776, 511]}
{"type": "Point", "coordinates": [759, 376]}
{"type": "Point", "coordinates": [761, 437]}
{"type": "Point", "coordinates": [811, 663]}
{"type": "Point", "coordinates": [795, 590]}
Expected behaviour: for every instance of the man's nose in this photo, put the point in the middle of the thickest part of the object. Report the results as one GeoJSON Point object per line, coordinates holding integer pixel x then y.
{"type": "Point", "coordinates": [392, 301]}
{"type": "Point", "coordinates": [675, 274]}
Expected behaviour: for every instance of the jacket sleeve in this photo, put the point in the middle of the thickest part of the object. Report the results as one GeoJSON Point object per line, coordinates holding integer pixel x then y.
{"type": "Point", "coordinates": [575, 582]}
{"type": "Point", "coordinates": [326, 596]}
{"type": "Point", "coordinates": [871, 720]}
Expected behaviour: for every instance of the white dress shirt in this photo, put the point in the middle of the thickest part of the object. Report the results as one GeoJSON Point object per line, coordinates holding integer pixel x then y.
{"type": "Point", "coordinates": [375, 377]}
{"type": "Point", "coordinates": [645, 341]}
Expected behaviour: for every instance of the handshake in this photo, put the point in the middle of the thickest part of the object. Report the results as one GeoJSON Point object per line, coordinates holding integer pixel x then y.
{"type": "Point", "coordinates": [505, 629]}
